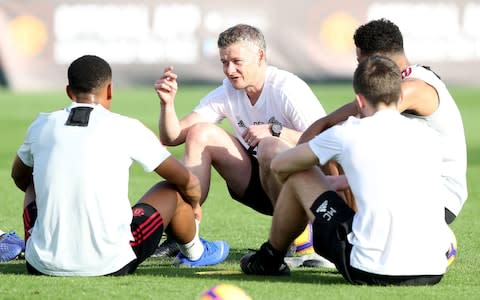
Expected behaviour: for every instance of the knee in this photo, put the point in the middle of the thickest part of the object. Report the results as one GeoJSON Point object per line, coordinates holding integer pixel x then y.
{"type": "Point", "coordinates": [267, 149]}
{"type": "Point", "coordinates": [200, 134]}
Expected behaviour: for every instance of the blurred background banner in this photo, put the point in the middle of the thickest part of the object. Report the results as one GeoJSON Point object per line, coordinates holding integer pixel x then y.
{"type": "Point", "coordinates": [314, 39]}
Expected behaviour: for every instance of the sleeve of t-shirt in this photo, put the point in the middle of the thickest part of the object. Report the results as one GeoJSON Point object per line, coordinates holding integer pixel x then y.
{"type": "Point", "coordinates": [146, 148]}
{"type": "Point", "coordinates": [25, 150]}
{"type": "Point", "coordinates": [212, 106]}
{"type": "Point", "coordinates": [327, 145]}
{"type": "Point", "coordinates": [303, 107]}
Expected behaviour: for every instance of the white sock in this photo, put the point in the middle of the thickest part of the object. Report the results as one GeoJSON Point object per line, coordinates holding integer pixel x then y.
{"type": "Point", "coordinates": [193, 250]}
{"type": "Point", "coordinates": [2, 232]}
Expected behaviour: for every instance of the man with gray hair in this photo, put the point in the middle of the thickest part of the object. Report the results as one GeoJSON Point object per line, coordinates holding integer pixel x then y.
{"type": "Point", "coordinates": [267, 108]}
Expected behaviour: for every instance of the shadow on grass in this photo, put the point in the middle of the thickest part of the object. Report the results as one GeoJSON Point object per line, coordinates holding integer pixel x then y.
{"type": "Point", "coordinates": [228, 270]}
{"type": "Point", "coordinates": [13, 267]}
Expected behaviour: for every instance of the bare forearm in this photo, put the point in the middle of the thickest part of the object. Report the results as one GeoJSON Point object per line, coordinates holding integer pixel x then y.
{"type": "Point", "coordinates": [290, 136]}
{"type": "Point", "coordinates": [191, 191]}
{"type": "Point", "coordinates": [293, 160]}
{"type": "Point", "coordinates": [338, 116]}
{"type": "Point", "coordinates": [169, 126]}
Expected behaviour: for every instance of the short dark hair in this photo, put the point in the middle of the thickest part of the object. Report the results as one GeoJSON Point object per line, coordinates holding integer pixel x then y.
{"type": "Point", "coordinates": [242, 33]}
{"type": "Point", "coordinates": [378, 79]}
{"type": "Point", "coordinates": [88, 73]}
{"type": "Point", "coordinates": [378, 37]}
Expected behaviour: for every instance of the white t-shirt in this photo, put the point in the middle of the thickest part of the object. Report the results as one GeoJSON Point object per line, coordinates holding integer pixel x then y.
{"type": "Point", "coordinates": [285, 98]}
{"type": "Point", "coordinates": [392, 164]}
{"type": "Point", "coordinates": [81, 184]}
{"type": "Point", "coordinates": [447, 121]}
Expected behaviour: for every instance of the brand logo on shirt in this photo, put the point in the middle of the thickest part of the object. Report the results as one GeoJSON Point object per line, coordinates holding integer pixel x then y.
{"type": "Point", "coordinates": [272, 120]}
{"type": "Point", "coordinates": [138, 212]}
{"type": "Point", "coordinates": [328, 213]}
{"type": "Point", "coordinates": [241, 124]}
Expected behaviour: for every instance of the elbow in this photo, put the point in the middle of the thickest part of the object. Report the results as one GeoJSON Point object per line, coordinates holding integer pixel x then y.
{"type": "Point", "coordinates": [165, 141]}
{"type": "Point", "coordinates": [22, 182]}
{"type": "Point", "coordinates": [21, 174]}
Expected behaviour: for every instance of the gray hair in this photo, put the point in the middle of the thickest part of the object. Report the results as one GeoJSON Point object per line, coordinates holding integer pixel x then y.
{"type": "Point", "coordinates": [242, 33]}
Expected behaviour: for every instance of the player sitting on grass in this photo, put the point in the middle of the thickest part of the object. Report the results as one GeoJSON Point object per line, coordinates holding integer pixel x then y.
{"type": "Point", "coordinates": [267, 108]}
{"type": "Point", "coordinates": [425, 98]}
{"type": "Point", "coordinates": [398, 236]}
{"type": "Point", "coordinates": [74, 168]}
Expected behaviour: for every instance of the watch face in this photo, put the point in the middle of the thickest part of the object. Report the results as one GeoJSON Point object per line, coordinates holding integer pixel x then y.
{"type": "Point", "coordinates": [276, 129]}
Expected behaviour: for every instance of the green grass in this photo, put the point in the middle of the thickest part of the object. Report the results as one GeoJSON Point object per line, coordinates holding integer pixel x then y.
{"type": "Point", "coordinates": [223, 219]}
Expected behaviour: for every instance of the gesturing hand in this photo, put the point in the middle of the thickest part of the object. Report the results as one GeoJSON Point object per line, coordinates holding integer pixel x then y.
{"type": "Point", "coordinates": [166, 87]}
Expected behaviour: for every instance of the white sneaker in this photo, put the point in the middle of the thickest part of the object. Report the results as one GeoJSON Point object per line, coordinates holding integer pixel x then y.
{"type": "Point", "coordinates": [311, 260]}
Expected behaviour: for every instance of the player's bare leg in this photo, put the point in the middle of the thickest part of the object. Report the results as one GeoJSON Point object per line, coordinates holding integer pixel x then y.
{"type": "Point", "coordinates": [208, 145]}
{"type": "Point", "coordinates": [267, 149]}
{"type": "Point", "coordinates": [292, 211]}
{"type": "Point", "coordinates": [176, 213]}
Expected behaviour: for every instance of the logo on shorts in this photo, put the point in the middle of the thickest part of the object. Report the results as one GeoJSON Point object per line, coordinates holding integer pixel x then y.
{"type": "Point", "coordinates": [138, 212]}
{"type": "Point", "coordinates": [323, 207]}
{"type": "Point", "coordinates": [328, 213]}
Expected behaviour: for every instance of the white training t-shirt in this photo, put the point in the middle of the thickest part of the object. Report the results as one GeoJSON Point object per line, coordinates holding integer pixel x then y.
{"type": "Point", "coordinates": [81, 184]}
{"type": "Point", "coordinates": [447, 121]}
{"type": "Point", "coordinates": [285, 98]}
{"type": "Point", "coordinates": [392, 164]}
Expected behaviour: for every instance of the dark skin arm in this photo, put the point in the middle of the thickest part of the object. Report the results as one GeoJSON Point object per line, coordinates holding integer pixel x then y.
{"type": "Point", "coordinates": [339, 115]}
{"type": "Point", "coordinates": [177, 174]}
{"type": "Point", "coordinates": [419, 98]}
{"type": "Point", "coordinates": [21, 174]}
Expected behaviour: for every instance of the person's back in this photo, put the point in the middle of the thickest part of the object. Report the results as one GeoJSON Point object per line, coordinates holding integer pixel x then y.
{"type": "Point", "coordinates": [447, 121]}
{"type": "Point", "coordinates": [425, 98]}
{"type": "Point", "coordinates": [392, 197]}
{"type": "Point", "coordinates": [81, 178]}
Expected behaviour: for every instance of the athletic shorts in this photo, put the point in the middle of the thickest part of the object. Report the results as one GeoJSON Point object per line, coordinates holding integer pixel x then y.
{"type": "Point", "coordinates": [332, 224]}
{"type": "Point", "coordinates": [147, 229]}
{"type": "Point", "coordinates": [254, 196]}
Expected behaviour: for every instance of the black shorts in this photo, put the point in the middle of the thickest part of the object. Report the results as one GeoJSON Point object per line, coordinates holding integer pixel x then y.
{"type": "Point", "coordinates": [254, 196]}
{"type": "Point", "coordinates": [147, 229]}
{"type": "Point", "coordinates": [332, 224]}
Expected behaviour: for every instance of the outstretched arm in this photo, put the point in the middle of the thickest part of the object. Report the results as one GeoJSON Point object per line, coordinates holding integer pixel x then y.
{"type": "Point", "coordinates": [338, 116]}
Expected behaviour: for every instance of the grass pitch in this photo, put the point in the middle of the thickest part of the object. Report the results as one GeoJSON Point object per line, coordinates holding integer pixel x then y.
{"type": "Point", "coordinates": [223, 219]}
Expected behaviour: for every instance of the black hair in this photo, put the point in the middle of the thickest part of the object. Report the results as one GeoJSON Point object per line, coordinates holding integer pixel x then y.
{"type": "Point", "coordinates": [378, 37]}
{"type": "Point", "coordinates": [88, 73]}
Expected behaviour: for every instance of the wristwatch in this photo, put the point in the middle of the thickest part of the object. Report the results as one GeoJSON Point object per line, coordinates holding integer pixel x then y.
{"type": "Point", "coordinates": [276, 129]}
